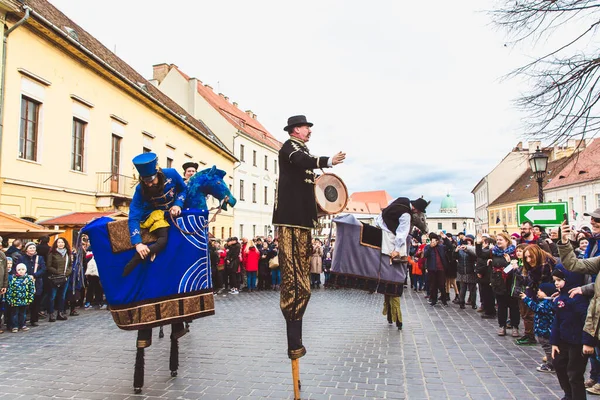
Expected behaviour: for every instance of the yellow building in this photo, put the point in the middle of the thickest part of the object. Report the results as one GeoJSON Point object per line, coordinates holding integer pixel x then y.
{"type": "Point", "coordinates": [74, 115]}
{"type": "Point", "coordinates": [503, 211]}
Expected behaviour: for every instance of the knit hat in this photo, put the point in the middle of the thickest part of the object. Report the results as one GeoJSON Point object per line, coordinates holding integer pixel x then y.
{"type": "Point", "coordinates": [559, 274]}
{"type": "Point", "coordinates": [29, 244]}
{"type": "Point", "coordinates": [516, 236]}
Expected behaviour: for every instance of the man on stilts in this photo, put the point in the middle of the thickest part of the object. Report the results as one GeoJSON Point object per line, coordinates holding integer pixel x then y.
{"type": "Point", "coordinates": [395, 223]}
{"type": "Point", "coordinates": [295, 214]}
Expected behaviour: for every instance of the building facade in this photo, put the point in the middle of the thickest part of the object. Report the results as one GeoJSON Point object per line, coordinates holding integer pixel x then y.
{"type": "Point", "coordinates": [254, 178]}
{"type": "Point", "coordinates": [72, 123]}
{"type": "Point", "coordinates": [449, 220]}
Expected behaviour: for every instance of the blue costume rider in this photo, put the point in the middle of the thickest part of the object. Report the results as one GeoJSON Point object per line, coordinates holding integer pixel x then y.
{"type": "Point", "coordinates": [159, 191]}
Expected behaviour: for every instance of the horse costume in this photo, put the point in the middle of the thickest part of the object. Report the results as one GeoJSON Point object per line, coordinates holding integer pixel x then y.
{"type": "Point", "coordinates": [173, 288]}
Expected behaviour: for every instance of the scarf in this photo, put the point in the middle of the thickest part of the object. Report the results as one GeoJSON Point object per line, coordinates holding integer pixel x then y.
{"type": "Point", "coordinates": [498, 252]}
{"type": "Point", "coordinates": [62, 252]}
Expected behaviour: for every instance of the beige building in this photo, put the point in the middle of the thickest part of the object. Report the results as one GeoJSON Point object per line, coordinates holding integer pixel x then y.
{"type": "Point", "coordinates": [449, 220]}
{"type": "Point", "coordinates": [74, 115]}
{"type": "Point", "coordinates": [255, 177]}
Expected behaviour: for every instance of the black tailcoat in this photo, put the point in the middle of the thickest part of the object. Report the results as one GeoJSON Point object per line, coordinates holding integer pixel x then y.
{"type": "Point", "coordinates": [295, 204]}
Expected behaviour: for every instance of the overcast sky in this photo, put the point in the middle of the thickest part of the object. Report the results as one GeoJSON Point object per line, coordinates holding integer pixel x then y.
{"type": "Point", "coordinates": [412, 91]}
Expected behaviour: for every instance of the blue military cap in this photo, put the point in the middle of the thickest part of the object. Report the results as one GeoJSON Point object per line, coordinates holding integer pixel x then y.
{"type": "Point", "coordinates": [146, 166]}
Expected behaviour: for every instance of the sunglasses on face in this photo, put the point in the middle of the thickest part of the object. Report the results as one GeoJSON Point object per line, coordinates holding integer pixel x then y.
{"type": "Point", "coordinates": [597, 220]}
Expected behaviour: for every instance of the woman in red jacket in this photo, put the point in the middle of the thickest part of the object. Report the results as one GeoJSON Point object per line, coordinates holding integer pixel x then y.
{"type": "Point", "coordinates": [252, 256]}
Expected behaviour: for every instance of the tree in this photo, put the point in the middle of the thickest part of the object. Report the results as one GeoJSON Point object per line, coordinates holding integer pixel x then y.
{"type": "Point", "coordinates": [563, 101]}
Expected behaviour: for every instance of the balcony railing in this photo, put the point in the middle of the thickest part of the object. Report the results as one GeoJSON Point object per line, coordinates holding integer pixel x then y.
{"type": "Point", "coordinates": [115, 185]}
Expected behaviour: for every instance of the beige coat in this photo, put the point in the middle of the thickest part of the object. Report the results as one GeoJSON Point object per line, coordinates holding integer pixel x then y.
{"type": "Point", "coordinates": [316, 260]}
{"type": "Point", "coordinates": [589, 266]}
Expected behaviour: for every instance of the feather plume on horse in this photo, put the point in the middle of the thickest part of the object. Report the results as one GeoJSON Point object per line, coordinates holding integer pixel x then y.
{"type": "Point", "coordinates": [174, 287]}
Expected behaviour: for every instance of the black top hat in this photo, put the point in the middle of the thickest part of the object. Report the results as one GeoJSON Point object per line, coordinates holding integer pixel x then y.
{"type": "Point", "coordinates": [296, 120]}
{"type": "Point", "coordinates": [420, 204]}
{"type": "Point", "coordinates": [190, 165]}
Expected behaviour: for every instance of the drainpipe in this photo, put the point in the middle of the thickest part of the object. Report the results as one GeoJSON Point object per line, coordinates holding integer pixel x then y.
{"type": "Point", "coordinates": [3, 66]}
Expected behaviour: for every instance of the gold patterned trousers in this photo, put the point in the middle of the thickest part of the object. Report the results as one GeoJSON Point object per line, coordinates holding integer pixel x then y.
{"type": "Point", "coordinates": [294, 261]}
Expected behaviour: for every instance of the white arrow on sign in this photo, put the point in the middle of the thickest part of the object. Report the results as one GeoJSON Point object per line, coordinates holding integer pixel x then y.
{"type": "Point", "coordinates": [540, 215]}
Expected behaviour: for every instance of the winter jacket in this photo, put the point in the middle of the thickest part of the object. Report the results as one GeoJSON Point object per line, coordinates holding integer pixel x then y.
{"type": "Point", "coordinates": [21, 290]}
{"type": "Point", "coordinates": [3, 271]}
{"type": "Point", "coordinates": [59, 265]}
{"type": "Point", "coordinates": [414, 267]}
{"type": "Point", "coordinates": [233, 257]}
{"type": "Point", "coordinates": [252, 257]}
{"type": "Point", "coordinates": [570, 314]}
{"type": "Point", "coordinates": [481, 266]}
{"type": "Point", "coordinates": [501, 282]}
{"type": "Point", "coordinates": [588, 266]}
{"type": "Point", "coordinates": [452, 265]}
{"type": "Point", "coordinates": [37, 274]}
{"type": "Point", "coordinates": [466, 260]}
{"type": "Point", "coordinates": [543, 317]}
{"type": "Point", "coordinates": [431, 261]}
{"type": "Point", "coordinates": [316, 260]}
{"type": "Point", "coordinates": [538, 275]}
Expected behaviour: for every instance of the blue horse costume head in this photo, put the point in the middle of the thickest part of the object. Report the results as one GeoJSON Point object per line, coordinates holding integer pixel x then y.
{"type": "Point", "coordinates": [208, 181]}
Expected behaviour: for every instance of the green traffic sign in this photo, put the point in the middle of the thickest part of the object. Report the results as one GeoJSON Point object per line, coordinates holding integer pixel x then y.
{"type": "Point", "coordinates": [545, 214]}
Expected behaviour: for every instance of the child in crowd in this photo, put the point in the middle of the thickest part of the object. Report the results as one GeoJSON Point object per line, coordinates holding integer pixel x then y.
{"type": "Point", "coordinates": [542, 322]}
{"type": "Point", "coordinates": [21, 290]}
{"type": "Point", "coordinates": [567, 335]}
{"type": "Point", "coordinates": [417, 274]}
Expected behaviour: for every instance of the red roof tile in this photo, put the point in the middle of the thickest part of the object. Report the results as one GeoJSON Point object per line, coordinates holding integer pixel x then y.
{"type": "Point", "coordinates": [80, 218]}
{"type": "Point", "coordinates": [584, 167]}
{"type": "Point", "coordinates": [526, 188]}
{"type": "Point", "coordinates": [48, 15]}
{"type": "Point", "coordinates": [380, 197]}
{"type": "Point", "coordinates": [240, 119]}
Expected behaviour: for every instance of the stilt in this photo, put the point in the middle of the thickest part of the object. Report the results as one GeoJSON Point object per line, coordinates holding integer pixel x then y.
{"type": "Point", "coordinates": [296, 378]}
{"type": "Point", "coordinates": [174, 357]}
{"type": "Point", "coordinates": [138, 374]}
{"type": "Point", "coordinates": [161, 334]}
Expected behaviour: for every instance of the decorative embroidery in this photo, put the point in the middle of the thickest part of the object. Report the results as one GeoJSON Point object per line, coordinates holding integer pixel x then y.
{"type": "Point", "coordinates": [560, 304]}
{"type": "Point", "coordinates": [135, 232]}
{"type": "Point", "coordinates": [168, 180]}
{"type": "Point", "coordinates": [308, 171]}
{"type": "Point", "coordinates": [309, 181]}
{"type": "Point", "coordinates": [182, 198]}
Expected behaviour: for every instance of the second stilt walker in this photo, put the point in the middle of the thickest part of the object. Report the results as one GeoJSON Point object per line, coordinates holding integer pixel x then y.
{"type": "Point", "coordinates": [295, 214]}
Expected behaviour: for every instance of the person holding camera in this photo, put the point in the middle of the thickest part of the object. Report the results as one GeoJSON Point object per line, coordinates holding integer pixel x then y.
{"type": "Point", "coordinates": [436, 263]}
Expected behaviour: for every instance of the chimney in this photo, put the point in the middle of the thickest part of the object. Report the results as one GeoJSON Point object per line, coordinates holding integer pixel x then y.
{"type": "Point", "coordinates": [251, 114]}
{"type": "Point", "coordinates": [221, 94]}
{"type": "Point", "coordinates": [159, 72]}
{"type": "Point", "coordinates": [533, 146]}
{"type": "Point", "coordinates": [235, 104]}
{"type": "Point", "coordinates": [206, 85]}
{"type": "Point", "coordinates": [519, 146]}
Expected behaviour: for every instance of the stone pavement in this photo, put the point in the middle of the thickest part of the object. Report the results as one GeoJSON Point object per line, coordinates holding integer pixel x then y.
{"type": "Point", "coordinates": [240, 353]}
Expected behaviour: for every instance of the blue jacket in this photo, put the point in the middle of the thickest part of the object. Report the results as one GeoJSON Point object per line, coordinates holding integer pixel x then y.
{"type": "Point", "coordinates": [140, 209]}
{"type": "Point", "coordinates": [431, 260]}
{"type": "Point", "coordinates": [543, 317]}
{"type": "Point", "coordinates": [570, 313]}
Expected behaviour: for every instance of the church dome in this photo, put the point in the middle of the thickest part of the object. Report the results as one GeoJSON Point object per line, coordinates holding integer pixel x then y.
{"type": "Point", "coordinates": [448, 205]}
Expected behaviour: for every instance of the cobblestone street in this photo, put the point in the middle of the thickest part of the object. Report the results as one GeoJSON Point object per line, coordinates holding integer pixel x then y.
{"type": "Point", "coordinates": [240, 353]}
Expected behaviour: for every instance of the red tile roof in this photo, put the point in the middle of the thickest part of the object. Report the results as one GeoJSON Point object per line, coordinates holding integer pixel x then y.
{"type": "Point", "coordinates": [49, 16]}
{"type": "Point", "coordinates": [584, 167]}
{"type": "Point", "coordinates": [380, 197]}
{"type": "Point", "coordinates": [80, 218]}
{"type": "Point", "coordinates": [526, 188]}
{"type": "Point", "coordinates": [240, 119]}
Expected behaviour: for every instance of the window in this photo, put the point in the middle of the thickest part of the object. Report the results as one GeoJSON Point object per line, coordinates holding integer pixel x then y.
{"type": "Point", "coordinates": [504, 216]}
{"type": "Point", "coordinates": [274, 195]}
{"type": "Point", "coordinates": [254, 192]}
{"type": "Point", "coordinates": [241, 190]}
{"type": "Point", "coordinates": [214, 230]}
{"type": "Point", "coordinates": [230, 235]}
{"type": "Point", "coordinates": [146, 150]}
{"type": "Point", "coordinates": [28, 136]}
{"type": "Point", "coordinates": [241, 231]}
{"type": "Point", "coordinates": [266, 163]}
{"type": "Point", "coordinates": [77, 144]}
{"type": "Point", "coordinates": [115, 159]}
{"type": "Point", "coordinates": [510, 215]}
{"type": "Point", "coordinates": [169, 162]}
{"type": "Point", "coordinates": [253, 231]}
{"type": "Point", "coordinates": [254, 158]}
{"type": "Point", "coordinates": [266, 200]}
{"type": "Point", "coordinates": [222, 232]}
{"type": "Point", "coordinates": [439, 226]}
{"type": "Point", "coordinates": [454, 226]}
{"type": "Point", "coordinates": [241, 152]}
{"type": "Point", "coordinates": [571, 204]}
{"type": "Point", "coordinates": [275, 166]}
{"type": "Point", "coordinates": [598, 201]}
{"type": "Point", "coordinates": [583, 203]}
{"type": "Point", "coordinates": [266, 230]}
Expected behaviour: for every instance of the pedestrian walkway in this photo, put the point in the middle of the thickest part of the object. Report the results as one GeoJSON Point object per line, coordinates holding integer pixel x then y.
{"type": "Point", "coordinates": [240, 353]}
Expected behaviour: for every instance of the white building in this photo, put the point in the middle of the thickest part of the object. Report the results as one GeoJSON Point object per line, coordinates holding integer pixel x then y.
{"type": "Point", "coordinates": [578, 184]}
{"type": "Point", "coordinates": [254, 179]}
{"type": "Point", "coordinates": [449, 219]}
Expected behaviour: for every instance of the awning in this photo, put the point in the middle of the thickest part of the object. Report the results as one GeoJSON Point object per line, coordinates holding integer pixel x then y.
{"type": "Point", "coordinates": [12, 227]}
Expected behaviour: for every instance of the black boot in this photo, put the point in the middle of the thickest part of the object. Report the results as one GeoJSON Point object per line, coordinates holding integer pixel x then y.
{"type": "Point", "coordinates": [462, 305]}
{"type": "Point", "coordinates": [51, 317]}
{"type": "Point", "coordinates": [399, 325]}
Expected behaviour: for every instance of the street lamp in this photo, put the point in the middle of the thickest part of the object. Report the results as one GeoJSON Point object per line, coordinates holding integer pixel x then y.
{"type": "Point", "coordinates": [539, 164]}
{"type": "Point", "coordinates": [465, 227]}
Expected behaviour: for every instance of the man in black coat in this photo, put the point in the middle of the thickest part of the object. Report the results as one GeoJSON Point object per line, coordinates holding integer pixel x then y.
{"type": "Point", "coordinates": [295, 214]}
